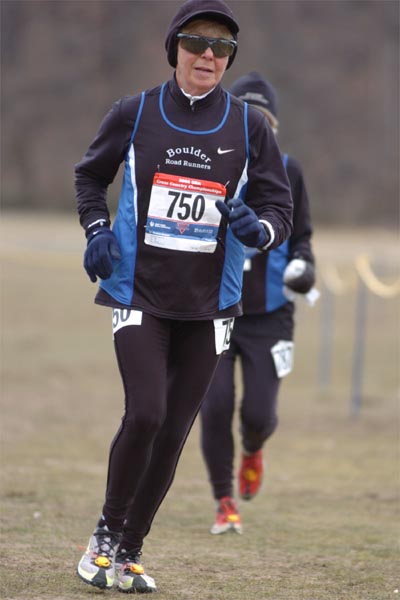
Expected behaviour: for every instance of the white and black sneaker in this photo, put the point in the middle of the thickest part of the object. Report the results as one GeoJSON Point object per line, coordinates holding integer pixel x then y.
{"type": "Point", "coordinates": [96, 566]}
{"type": "Point", "coordinates": [131, 574]}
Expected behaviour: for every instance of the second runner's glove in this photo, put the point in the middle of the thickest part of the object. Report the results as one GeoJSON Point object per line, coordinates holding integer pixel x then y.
{"type": "Point", "coordinates": [299, 275]}
{"type": "Point", "coordinates": [244, 223]}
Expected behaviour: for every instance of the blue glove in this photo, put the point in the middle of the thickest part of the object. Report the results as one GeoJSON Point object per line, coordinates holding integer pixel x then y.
{"type": "Point", "coordinates": [102, 248]}
{"type": "Point", "coordinates": [244, 223]}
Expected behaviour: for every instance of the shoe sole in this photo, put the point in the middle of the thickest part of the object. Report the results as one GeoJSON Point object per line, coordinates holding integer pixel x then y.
{"type": "Point", "coordinates": [227, 529]}
{"type": "Point", "coordinates": [248, 496]}
{"type": "Point", "coordinates": [141, 584]}
{"type": "Point", "coordinates": [97, 581]}
{"type": "Point", "coordinates": [133, 591]}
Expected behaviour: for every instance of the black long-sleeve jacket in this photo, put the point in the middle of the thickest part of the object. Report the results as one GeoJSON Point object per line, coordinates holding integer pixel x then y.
{"type": "Point", "coordinates": [266, 309]}
{"type": "Point", "coordinates": [179, 259]}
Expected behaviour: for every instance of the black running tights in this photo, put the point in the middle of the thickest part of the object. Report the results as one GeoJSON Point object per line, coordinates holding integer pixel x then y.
{"type": "Point", "coordinates": [166, 367]}
{"type": "Point", "coordinates": [258, 410]}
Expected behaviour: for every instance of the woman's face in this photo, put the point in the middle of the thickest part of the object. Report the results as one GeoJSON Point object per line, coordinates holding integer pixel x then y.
{"type": "Point", "coordinates": [197, 74]}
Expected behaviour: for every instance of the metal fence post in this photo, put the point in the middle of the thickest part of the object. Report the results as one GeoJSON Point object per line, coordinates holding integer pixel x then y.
{"type": "Point", "coordinates": [359, 349]}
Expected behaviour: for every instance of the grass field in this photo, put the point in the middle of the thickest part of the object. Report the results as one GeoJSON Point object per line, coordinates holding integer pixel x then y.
{"type": "Point", "coordinates": [326, 523]}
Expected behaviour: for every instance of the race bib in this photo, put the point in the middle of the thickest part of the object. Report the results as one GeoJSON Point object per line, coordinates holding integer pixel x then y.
{"type": "Point", "coordinates": [182, 213]}
{"type": "Point", "coordinates": [283, 354]}
{"type": "Point", "coordinates": [121, 317]}
{"type": "Point", "coordinates": [223, 331]}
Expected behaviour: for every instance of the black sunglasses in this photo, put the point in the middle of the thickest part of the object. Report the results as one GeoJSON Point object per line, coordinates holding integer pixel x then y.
{"type": "Point", "coordinates": [197, 44]}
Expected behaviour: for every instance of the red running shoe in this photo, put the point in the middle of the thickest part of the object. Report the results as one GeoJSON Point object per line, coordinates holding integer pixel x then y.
{"type": "Point", "coordinates": [250, 474]}
{"type": "Point", "coordinates": [227, 518]}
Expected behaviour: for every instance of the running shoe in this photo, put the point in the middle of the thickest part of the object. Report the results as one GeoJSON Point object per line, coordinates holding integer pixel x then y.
{"type": "Point", "coordinates": [227, 517]}
{"type": "Point", "coordinates": [97, 564]}
{"type": "Point", "coordinates": [131, 574]}
{"type": "Point", "coordinates": [250, 474]}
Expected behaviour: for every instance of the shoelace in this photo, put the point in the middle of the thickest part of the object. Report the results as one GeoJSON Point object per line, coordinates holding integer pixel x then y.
{"type": "Point", "coordinates": [129, 556]}
{"type": "Point", "coordinates": [106, 542]}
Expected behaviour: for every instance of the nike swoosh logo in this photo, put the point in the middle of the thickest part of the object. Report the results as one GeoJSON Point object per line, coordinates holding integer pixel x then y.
{"type": "Point", "coordinates": [219, 151]}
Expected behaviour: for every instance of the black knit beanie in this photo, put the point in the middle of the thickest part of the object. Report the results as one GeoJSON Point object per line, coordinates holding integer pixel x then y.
{"type": "Point", "coordinates": [215, 10]}
{"type": "Point", "coordinates": [254, 89]}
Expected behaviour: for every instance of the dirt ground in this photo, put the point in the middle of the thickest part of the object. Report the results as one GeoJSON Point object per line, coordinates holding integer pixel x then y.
{"type": "Point", "coordinates": [325, 525]}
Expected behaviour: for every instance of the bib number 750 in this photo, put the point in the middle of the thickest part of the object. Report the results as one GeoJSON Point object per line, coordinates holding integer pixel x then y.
{"type": "Point", "coordinates": [192, 208]}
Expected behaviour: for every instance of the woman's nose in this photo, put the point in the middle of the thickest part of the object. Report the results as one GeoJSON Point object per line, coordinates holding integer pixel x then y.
{"type": "Point", "coordinates": [208, 53]}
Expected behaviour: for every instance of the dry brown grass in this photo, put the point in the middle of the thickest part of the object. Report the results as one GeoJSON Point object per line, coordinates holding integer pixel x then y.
{"type": "Point", "coordinates": [324, 527]}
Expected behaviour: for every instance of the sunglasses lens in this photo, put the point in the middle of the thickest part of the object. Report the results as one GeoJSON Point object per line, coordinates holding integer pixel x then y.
{"type": "Point", "coordinates": [222, 49]}
{"type": "Point", "coordinates": [194, 45]}
{"type": "Point", "coordinates": [198, 45]}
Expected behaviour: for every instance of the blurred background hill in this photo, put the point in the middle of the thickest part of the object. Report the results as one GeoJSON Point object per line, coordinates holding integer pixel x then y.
{"type": "Point", "coordinates": [334, 62]}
